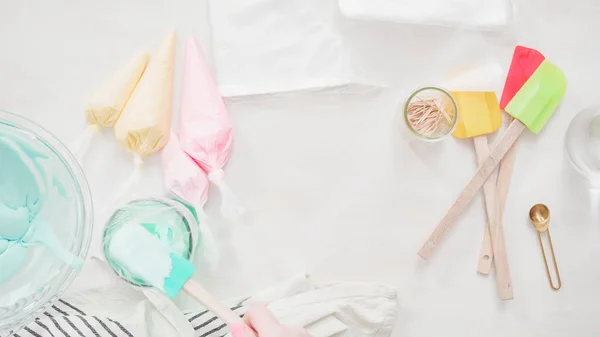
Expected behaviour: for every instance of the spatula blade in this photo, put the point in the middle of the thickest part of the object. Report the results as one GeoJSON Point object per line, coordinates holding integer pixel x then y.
{"type": "Point", "coordinates": [535, 103]}
{"type": "Point", "coordinates": [478, 113]}
{"type": "Point", "coordinates": [524, 63]}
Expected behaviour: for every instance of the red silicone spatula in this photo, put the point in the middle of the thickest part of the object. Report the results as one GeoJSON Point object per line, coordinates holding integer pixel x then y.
{"type": "Point", "coordinates": [524, 63]}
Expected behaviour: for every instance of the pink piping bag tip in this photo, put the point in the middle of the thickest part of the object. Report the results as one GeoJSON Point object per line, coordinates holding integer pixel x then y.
{"type": "Point", "coordinates": [183, 178]}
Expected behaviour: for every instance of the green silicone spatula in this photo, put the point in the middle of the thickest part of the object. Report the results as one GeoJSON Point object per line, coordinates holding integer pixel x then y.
{"type": "Point", "coordinates": [531, 107]}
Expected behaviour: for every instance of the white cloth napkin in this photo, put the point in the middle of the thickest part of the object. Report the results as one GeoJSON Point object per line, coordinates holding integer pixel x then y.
{"type": "Point", "coordinates": [117, 309]}
{"type": "Point", "coordinates": [474, 14]}
{"type": "Point", "coordinates": [333, 309]}
{"type": "Point", "coordinates": [271, 46]}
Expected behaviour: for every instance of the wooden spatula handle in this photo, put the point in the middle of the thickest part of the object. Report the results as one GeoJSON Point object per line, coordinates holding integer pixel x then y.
{"type": "Point", "coordinates": [486, 254]}
{"type": "Point", "coordinates": [492, 209]}
{"type": "Point", "coordinates": [482, 151]}
{"type": "Point", "coordinates": [513, 132]}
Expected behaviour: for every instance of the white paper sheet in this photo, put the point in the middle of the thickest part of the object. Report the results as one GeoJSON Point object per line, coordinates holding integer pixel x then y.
{"type": "Point", "coordinates": [267, 46]}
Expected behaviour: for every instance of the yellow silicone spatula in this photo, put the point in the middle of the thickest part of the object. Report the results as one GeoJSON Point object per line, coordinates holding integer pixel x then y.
{"type": "Point", "coordinates": [479, 115]}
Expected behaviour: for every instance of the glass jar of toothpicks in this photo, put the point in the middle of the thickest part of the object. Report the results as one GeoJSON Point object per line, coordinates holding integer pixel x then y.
{"type": "Point", "coordinates": [431, 113]}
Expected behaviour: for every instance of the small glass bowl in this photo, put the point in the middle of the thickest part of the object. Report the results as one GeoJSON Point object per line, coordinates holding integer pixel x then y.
{"type": "Point", "coordinates": [169, 220]}
{"type": "Point", "coordinates": [43, 278]}
{"type": "Point", "coordinates": [446, 101]}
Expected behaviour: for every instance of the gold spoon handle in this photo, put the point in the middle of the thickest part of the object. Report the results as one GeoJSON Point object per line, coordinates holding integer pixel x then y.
{"type": "Point", "coordinates": [559, 283]}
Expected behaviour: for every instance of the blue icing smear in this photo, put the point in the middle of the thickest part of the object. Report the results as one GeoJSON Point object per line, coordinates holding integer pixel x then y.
{"type": "Point", "coordinates": [20, 198]}
{"type": "Point", "coordinates": [19, 181]}
{"type": "Point", "coordinates": [4, 245]}
{"type": "Point", "coordinates": [14, 223]}
{"type": "Point", "coordinates": [164, 233]}
{"type": "Point", "coordinates": [11, 260]}
{"type": "Point", "coordinates": [25, 186]}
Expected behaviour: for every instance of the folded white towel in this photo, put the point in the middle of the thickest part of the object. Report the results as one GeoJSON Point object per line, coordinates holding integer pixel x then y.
{"type": "Point", "coordinates": [351, 308]}
{"type": "Point", "coordinates": [476, 14]}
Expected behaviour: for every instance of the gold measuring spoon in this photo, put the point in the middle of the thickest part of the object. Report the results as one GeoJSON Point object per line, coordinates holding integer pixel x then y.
{"type": "Point", "coordinates": [540, 218]}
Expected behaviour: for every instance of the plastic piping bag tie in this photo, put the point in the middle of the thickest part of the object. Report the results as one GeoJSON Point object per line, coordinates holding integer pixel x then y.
{"type": "Point", "coordinates": [104, 107]}
{"type": "Point", "coordinates": [145, 122]}
{"type": "Point", "coordinates": [186, 181]}
{"type": "Point", "coordinates": [205, 129]}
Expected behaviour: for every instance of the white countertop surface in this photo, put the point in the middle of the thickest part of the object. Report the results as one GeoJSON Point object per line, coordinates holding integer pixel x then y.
{"type": "Point", "coordinates": [332, 187]}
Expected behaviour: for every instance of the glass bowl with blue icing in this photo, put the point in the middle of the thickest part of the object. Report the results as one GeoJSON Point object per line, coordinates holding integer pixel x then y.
{"type": "Point", "coordinates": [173, 222]}
{"type": "Point", "coordinates": [46, 220]}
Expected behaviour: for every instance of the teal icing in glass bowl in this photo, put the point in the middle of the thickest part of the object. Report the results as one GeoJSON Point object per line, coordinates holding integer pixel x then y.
{"type": "Point", "coordinates": [169, 220]}
{"type": "Point", "coordinates": [44, 193]}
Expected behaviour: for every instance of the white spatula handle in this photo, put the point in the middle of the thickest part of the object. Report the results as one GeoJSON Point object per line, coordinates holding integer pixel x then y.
{"type": "Point", "coordinates": [513, 132]}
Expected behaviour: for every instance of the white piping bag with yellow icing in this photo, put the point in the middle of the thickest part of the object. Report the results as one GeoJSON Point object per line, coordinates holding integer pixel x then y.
{"type": "Point", "coordinates": [145, 123]}
{"type": "Point", "coordinates": [106, 104]}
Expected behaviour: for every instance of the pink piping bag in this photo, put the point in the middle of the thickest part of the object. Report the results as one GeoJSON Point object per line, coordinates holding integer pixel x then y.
{"type": "Point", "coordinates": [205, 130]}
{"type": "Point", "coordinates": [186, 181]}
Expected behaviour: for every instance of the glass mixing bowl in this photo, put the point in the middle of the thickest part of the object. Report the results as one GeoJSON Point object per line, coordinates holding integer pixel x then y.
{"type": "Point", "coordinates": [583, 144]}
{"type": "Point", "coordinates": [66, 207]}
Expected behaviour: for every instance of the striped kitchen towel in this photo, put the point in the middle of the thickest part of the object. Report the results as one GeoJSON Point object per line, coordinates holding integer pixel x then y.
{"type": "Point", "coordinates": [64, 319]}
